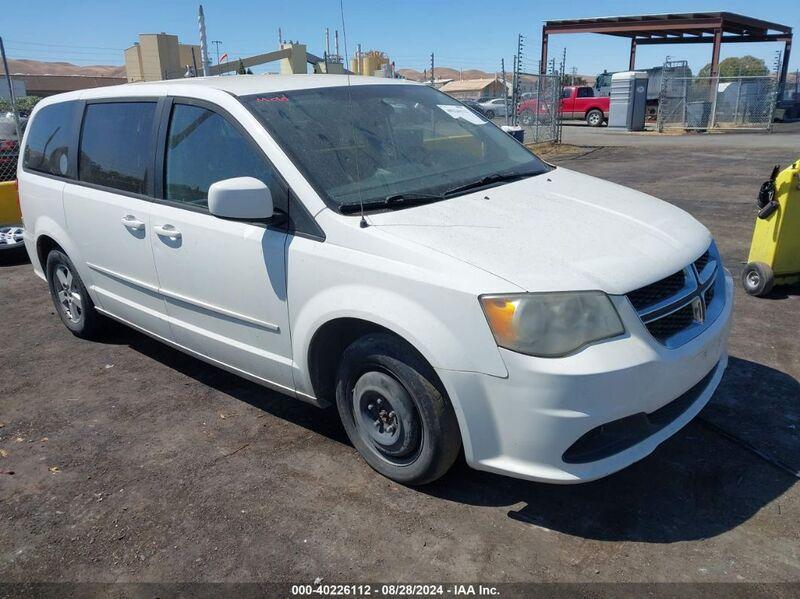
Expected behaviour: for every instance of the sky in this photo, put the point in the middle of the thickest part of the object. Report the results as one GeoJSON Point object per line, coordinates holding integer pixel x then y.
{"type": "Point", "coordinates": [462, 33]}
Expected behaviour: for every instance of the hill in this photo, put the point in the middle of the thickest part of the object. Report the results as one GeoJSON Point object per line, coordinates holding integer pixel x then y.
{"type": "Point", "coordinates": [36, 67]}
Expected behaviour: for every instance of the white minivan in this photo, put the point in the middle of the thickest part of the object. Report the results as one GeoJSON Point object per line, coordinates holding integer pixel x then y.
{"type": "Point", "coordinates": [375, 244]}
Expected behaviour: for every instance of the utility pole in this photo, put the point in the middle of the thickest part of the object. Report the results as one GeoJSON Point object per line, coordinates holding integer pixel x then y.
{"type": "Point", "coordinates": [563, 62]}
{"type": "Point", "coordinates": [514, 92]}
{"type": "Point", "coordinates": [280, 37]}
{"type": "Point", "coordinates": [432, 75]}
{"type": "Point", "coordinates": [216, 44]}
{"type": "Point", "coordinates": [11, 95]}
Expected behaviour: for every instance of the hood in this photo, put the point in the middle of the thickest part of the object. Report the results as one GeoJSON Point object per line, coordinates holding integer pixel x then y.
{"type": "Point", "coordinates": [558, 231]}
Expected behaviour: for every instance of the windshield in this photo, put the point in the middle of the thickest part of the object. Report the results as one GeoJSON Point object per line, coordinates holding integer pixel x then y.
{"type": "Point", "coordinates": [369, 142]}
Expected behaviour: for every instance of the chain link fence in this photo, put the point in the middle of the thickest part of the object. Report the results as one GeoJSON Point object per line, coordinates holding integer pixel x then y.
{"type": "Point", "coordinates": [9, 147]}
{"type": "Point", "coordinates": [706, 103]}
{"type": "Point", "coordinates": [536, 107]}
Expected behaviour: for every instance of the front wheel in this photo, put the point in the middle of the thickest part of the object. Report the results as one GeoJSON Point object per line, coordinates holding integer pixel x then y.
{"type": "Point", "coordinates": [594, 118]}
{"type": "Point", "coordinates": [490, 114]}
{"type": "Point", "coordinates": [394, 411]}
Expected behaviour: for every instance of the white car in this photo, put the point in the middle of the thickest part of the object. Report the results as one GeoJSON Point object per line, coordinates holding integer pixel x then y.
{"type": "Point", "coordinates": [379, 246]}
{"type": "Point", "coordinates": [494, 107]}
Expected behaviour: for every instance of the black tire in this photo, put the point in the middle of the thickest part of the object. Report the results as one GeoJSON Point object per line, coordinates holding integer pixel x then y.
{"type": "Point", "coordinates": [594, 118]}
{"type": "Point", "coordinates": [414, 437]}
{"type": "Point", "coordinates": [77, 313]}
{"type": "Point", "coordinates": [757, 279]}
{"type": "Point", "coordinates": [490, 114]}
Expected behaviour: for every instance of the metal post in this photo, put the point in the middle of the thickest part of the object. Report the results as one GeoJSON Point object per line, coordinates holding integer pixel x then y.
{"type": "Point", "coordinates": [543, 63]}
{"type": "Point", "coordinates": [632, 61]}
{"type": "Point", "coordinates": [11, 95]}
{"type": "Point", "coordinates": [194, 63]}
{"type": "Point", "coordinates": [514, 93]}
{"type": "Point", "coordinates": [785, 67]}
{"type": "Point", "coordinates": [738, 98]}
{"type": "Point", "coordinates": [715, 53]}
{"type": "Point", "coordinates": [505, 87]}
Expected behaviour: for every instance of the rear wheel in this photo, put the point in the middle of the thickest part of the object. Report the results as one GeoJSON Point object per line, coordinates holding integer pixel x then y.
{"type": "Point", "coordinates": [594, 118]}
{"type": "Point", "coordinates": [394, 412]}
{"type": "Point", "coordinates": [70, 298]}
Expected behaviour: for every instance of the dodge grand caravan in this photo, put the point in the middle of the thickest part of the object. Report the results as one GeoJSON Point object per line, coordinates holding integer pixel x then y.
{"type": "Point", "coordinates": [376, 245]}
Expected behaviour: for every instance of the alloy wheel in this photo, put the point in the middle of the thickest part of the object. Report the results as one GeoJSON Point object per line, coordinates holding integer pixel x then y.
{"type": "Point", "coordinates": [69, 297]}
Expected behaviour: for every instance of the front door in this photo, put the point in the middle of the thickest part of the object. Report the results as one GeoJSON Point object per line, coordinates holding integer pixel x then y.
{"type": "Point", "coordinates": [223, 281]}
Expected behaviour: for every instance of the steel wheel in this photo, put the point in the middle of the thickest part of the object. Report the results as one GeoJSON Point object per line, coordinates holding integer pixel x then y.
{"type": "Point", "coordinates": [69, 297]}
{"type": "Point", "coordinates": [385, 417]}
{"type": "Point", "coordinates": [594, 118]}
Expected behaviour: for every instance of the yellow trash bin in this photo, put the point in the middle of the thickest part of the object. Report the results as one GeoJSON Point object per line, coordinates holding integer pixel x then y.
{"type": "Point", "coordinates": [9, 204]}
{"type": "Point", "coordinates": [775, 250]}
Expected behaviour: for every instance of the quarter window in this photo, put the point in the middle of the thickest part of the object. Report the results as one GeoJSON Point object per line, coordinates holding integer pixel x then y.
{"type": "Point", "coordinates": [116, 145]}
{"type": "Point", "coordinates": [47, 147]}
{"type": "Point", "coordinates": [203, 148]}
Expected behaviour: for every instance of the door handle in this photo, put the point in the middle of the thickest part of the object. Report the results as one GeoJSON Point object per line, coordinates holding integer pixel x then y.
{"type": "Point", "coordinates": [167, 231]}
{"type": "Point", "coordinates": [132, 223]}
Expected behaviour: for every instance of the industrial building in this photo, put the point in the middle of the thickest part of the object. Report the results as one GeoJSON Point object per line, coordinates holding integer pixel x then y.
{"type": "Point", "coordinates": [158, 56]}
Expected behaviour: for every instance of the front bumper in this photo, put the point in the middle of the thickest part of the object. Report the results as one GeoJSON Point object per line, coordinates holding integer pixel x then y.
{"type": "Point", "coordinates": [523, 424]}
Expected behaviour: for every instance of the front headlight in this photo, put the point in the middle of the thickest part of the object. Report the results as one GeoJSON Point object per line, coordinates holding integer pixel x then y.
{"type": "Point", "coordinates": [549, 325]}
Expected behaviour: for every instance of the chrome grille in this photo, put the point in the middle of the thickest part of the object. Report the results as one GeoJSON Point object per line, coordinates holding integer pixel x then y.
{"type": "Point", "coordinates": [679, 307]}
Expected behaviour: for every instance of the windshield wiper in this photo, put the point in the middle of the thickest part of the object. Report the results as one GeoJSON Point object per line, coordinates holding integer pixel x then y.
{"type": "Point", "coordinates": [392, 201]}
{"type": "Point", "coordinates": [488, 180]}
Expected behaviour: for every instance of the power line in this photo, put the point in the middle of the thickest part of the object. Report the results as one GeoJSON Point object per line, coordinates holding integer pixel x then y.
{"type": "Point", "coordinates": [63, 45]}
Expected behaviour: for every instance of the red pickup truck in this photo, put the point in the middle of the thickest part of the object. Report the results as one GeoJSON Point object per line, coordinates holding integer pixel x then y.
{"type": "Point", "coordinates": [576, 103]}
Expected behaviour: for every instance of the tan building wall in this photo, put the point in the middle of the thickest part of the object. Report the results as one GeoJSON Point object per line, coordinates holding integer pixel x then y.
{"type": "Point", "coordinates": [185, 57]}
{"type": "Point", "coordinates": [158, 56]}
{"type": "Point", "coordinates": [297, 62]}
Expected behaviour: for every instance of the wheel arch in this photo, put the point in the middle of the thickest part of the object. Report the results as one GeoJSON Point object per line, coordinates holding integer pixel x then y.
{"type": "Point", "coordinates": [327, 345]}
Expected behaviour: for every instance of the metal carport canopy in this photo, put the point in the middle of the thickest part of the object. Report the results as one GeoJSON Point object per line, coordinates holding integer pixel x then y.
{"type": "Point", "coordinates": [684, 28]}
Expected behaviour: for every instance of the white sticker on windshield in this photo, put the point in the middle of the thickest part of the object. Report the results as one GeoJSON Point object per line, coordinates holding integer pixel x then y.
{"type": "Point", "coordinates": [462, 112]}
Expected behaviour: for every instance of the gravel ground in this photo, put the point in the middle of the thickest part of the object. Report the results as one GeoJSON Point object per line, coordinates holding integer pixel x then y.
{"type": "Point", "coordinates": [133, 462]}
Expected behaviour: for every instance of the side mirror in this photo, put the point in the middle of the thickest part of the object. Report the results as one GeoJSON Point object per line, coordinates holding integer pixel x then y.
{"type": "Point", "coordinates": [244, 198]}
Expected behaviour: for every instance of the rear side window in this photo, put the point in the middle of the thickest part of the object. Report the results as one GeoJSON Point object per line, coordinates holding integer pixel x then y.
{"type": "Point", "coordinates": [116, 145]}
{"type": "Point", "coordinates": [47, 148]}
{"type": "Point", "coordinates": [203, 148]}
{"type": "Point", "coordinates": [585, 92]}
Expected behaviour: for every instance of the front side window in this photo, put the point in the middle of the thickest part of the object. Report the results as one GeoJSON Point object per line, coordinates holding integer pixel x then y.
{"type": "Point", "coordinates": [47, 147]}
{"type": "Point", "coordinates": [116, 145]}
{"type": "Point", "coordinates": [203, 148]}
{"type": "Point", "coordinates": [368, 143]}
